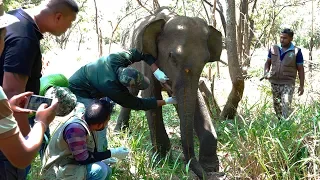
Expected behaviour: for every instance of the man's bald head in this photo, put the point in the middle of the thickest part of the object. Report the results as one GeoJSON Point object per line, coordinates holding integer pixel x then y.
{"type": "Point", "coordinates": [62, 6]}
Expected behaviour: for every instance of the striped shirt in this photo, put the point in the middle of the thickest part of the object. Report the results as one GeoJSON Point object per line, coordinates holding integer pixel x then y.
{"type": "Point", "coordinates": [76, 137]}
{"type": "Point", "coordinates": [8, 124]}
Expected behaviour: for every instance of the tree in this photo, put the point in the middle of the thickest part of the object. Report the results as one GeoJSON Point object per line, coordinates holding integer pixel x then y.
{"type": "Point", "coordinates": [98, 30]}
{"type": "Point", "coordinates": [235, 71]}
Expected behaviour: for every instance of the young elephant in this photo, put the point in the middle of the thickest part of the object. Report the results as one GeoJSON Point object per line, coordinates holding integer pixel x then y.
{"type": "Point", "coordinates": [182, 46]}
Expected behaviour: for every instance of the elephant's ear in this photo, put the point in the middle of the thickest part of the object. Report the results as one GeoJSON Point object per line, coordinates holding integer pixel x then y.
{"type": "Point", "coordinates": [214, 44]}
{"type": "Point", "coordinates": [150, 35]}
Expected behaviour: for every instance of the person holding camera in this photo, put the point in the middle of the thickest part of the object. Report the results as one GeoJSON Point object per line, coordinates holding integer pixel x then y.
{"type": "Point", "coordinates": [19, 150]}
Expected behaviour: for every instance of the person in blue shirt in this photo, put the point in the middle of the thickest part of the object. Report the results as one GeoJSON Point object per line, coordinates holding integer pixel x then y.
{"type": "Point", "coordinates": [281, 67]}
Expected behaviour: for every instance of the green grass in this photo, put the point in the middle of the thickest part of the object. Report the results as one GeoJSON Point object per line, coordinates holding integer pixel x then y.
{"type": "Point", "coordinates": [253, 145]}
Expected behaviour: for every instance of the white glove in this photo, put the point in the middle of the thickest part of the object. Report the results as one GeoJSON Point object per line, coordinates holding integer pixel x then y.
{"type": "Point", "coordinates": [160, 76]}
{"type": "Point", "coordinates": [110, 161]}
{"type": "Point", "coordinates": [171, 100]}
{"type": "Point", "coordinates": [119, 152]}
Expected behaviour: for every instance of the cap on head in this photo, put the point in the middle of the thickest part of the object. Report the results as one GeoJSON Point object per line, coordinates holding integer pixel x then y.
{"type": "Point", "coordinates": [130, 77]}
{"type": "Point", "coordinates": [6, 19]}
{"type": "Point", "coordinates": [52, 80]}
{"type": "Point", "coordinates": [67, 100]}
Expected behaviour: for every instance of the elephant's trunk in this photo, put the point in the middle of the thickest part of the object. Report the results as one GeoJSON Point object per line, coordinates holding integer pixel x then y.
{"type": "Point", "coordinates": [186, 94]}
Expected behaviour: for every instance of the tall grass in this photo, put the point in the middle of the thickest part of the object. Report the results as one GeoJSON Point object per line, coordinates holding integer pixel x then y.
{"type": "Point", "coordinates": [254, 145]}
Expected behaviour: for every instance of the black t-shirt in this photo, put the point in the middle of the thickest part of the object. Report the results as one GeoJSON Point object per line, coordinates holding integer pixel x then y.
{"type": "Point", "coordinates": [22, 53]}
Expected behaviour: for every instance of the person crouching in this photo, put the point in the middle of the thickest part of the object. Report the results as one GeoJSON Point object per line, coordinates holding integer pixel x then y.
{"type": "Point", "coordinates": [72, 151]}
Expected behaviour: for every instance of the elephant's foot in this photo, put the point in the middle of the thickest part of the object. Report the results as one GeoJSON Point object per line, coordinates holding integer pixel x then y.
{"type": "Point", "coordinates": [162, 150]}
{"type": "Point", "coordinates": [121, 127]}
{"type": "Point", "coordinates": [118, 127]}
{"type": "Point", "coordinates": [197, 169]}
{"type": "Point", "coordinates": [209, 164]}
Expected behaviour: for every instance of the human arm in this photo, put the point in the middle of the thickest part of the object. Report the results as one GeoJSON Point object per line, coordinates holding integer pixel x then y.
{"type": "Point", "coordinates": [301, 73]}
{"type": "Point", "coordinates": [267, 66]}
{"type": "Point", "coordinates": [76, 137]}
{"type": "Point", "coordinates": [124, 98]}
{"type": "Point", "coordinates": [19, 57]}
{"type": "Point", "coordinates": [20, 151]}
{"type": "Point", "coordinates": [150, 60]}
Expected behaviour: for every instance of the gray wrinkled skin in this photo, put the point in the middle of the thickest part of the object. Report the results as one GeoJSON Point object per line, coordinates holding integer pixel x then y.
{"type": "Point", "coordinates": [182, 46]}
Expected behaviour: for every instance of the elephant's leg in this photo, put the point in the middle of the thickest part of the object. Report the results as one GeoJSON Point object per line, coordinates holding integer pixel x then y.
{"type": "Point", "coordinates": [159, 136]}
{"type": "Point", "coordinates": [123, 119]}
{"type": "Point", "coordinates": [124, 116]}
{"type": "Point", "coordinates": [207, 136]}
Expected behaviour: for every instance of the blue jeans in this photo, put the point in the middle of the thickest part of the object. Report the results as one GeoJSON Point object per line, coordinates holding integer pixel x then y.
{"type": "Point", "coordinates": [101, 136]}
{"type": "Point", "coordinates": [98, 171]}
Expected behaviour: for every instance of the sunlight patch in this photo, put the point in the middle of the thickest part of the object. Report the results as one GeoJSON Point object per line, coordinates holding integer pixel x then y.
{"type": "Point", "coordinates": [180, 27]}
{"type": "Point", "coordinates": [179, 49]}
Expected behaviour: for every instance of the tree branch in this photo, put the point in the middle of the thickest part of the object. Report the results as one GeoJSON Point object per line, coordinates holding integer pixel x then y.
{"type": "Point", "coordinates": [205, 9]}
{"type": "Point", "coordinates": [139, 2]}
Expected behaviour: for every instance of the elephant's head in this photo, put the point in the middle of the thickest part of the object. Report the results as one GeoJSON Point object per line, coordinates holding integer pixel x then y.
{"type": "Point", "coordinates": [182, 46]}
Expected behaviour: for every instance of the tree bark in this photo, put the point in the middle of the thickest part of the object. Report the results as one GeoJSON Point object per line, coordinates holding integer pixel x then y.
{"type": "Point", "coordinates": [97, 29]}
{"type": "Point", "coordinates": [230, 109]}
{"type": "Point", "coordinates": [209, 99]}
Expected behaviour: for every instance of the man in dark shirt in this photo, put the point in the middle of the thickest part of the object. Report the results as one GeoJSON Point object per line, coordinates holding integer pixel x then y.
{"type": "Point", "coordinates": [21, 58]}
{"type": "Point", "coordinates": [110, 77]}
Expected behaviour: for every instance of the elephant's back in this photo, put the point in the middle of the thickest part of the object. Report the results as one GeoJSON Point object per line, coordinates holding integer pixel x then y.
{"type": "Point", "coordinates": [130, 35]}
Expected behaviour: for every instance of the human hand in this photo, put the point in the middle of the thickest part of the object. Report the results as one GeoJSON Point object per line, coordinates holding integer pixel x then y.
{"type": "Point", "coordinates": [160, 75]}
{"type": "Point", "coordinates": [266, 75]}
{"type": "Point", "coordinates": [119, 152]}
{"type": "Point", "coordinates": [46, 114]}
{"type": "Point", "coordinates": [171, 100]}
{"type": "Point", "coordinates": [18, 102]}
{"type": "Point", "coordinates": [300, 90]}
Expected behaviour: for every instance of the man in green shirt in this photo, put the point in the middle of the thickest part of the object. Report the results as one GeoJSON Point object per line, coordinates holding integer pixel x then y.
{"type": "Point", "coordinates": [111, 77]}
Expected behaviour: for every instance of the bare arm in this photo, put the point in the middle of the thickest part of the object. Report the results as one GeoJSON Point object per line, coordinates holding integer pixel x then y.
{"type": "Point", "coordinates": [19, 151]}
{"type": "Point", "coordinates": [300, 69]}
{"type": "Point", "coordinates": [14, 84]}
{"type": "Point", "coordinates": [267, 66]}
{"type": "Point", "coordinates": [161, 103]}
{"type": "Point", "coordinates": [153, 67]}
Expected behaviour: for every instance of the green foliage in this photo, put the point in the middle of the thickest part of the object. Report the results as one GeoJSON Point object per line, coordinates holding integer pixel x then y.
{"type": "Point", "coordinates": [259, 145]}
{"type": "Point", "coordinates": [253, 145]}
{"type": "Point", "coordinates": [13, 4]}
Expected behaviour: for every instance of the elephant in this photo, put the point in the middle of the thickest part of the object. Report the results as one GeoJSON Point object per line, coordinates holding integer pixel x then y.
{"type": "Point", "coordinates": [182, 46]}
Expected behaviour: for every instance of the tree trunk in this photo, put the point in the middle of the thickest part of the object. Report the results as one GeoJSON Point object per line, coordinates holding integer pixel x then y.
{"type": "Point", "coordinates": [97, 29]}
{"type": "Point", "coordinates": [209, 98]}
{"type": "Point", "coordinates": [230, 109]}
